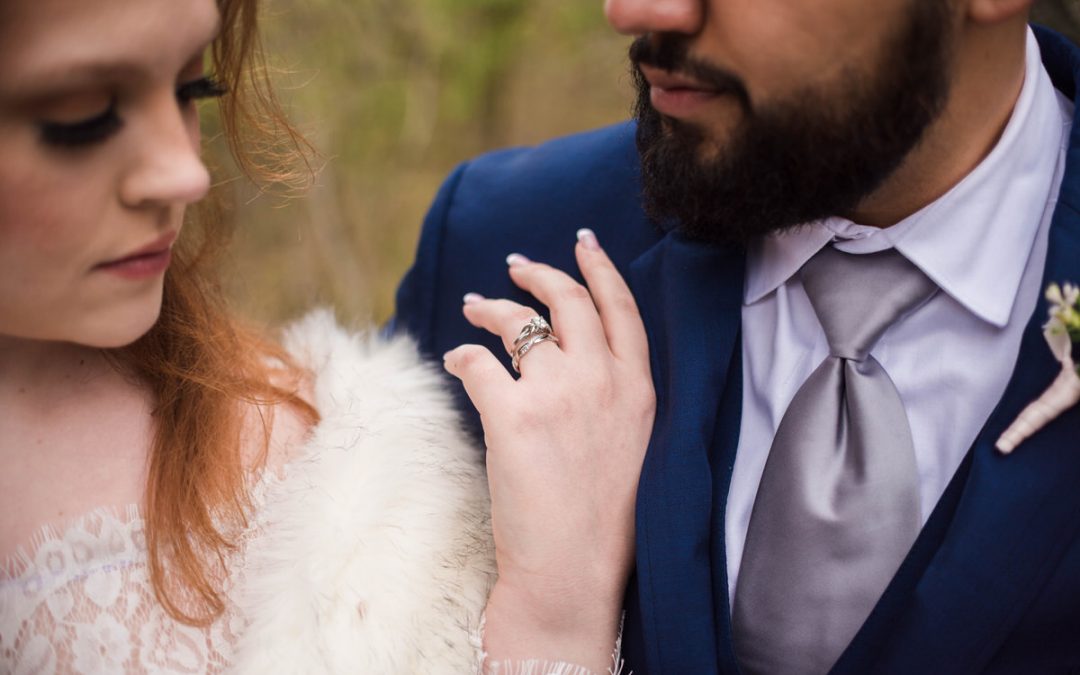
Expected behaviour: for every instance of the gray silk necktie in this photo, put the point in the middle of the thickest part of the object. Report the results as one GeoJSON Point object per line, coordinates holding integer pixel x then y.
{"type": "Point", "coordinates": [838, 504]}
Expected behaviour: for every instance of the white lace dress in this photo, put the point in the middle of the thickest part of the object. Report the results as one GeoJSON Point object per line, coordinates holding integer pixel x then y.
{"type": "Point", "coordinates": [79, 600]}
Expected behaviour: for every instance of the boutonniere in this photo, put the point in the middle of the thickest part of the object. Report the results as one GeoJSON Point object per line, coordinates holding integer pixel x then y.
{"type": "Point", "coordinates": [1063, 335]}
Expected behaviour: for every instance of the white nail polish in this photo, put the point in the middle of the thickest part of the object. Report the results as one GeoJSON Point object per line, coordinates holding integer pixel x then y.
{"type": "Point", "coordinates": [515, 259]}
{"type": "Point", "coordinates": [588, 239]}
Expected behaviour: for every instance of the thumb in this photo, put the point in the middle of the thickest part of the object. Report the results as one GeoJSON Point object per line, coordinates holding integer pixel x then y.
{"type": "Point", "coordinates": [486, 380]}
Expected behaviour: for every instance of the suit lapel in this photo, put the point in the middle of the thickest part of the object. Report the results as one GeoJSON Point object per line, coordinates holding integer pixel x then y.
{"type": "Point", "coordinates": [690, 297]}
{"type": "Point", "coordinates": [1001, 529]}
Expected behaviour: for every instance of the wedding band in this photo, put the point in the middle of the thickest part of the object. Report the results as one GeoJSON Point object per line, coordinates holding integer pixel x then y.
{"type": "Point", "coordinates": [533, 333]}
{"type": "Point", "coordinates": [526, 347]}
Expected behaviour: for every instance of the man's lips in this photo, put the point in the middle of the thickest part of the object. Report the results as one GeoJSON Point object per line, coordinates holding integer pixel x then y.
{"type": "Point", "coordinates": [147, 261]}
{"type": "Point", "coordinates": [665, 79]}
{"type": "Point", "coordinates": [678, 95]}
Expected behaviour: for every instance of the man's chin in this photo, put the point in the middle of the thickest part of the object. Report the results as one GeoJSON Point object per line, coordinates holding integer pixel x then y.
{"type": "Point", "coordinates": [709, 140]}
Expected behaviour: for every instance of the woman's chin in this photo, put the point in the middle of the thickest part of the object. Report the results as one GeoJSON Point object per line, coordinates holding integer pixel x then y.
{"type": "Point", "coordinates": [124, 336]}
{"type": "Point", "coordinates": [93, 323]}
{"type": "Point", "coordinates": [117, 329]}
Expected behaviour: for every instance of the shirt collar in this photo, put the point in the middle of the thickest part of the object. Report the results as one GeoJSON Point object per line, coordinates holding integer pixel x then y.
{"type": "Point", "coordinates": [974, 241]}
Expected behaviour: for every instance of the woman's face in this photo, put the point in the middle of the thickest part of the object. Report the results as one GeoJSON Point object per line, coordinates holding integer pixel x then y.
{"type": "Point", "coordinates": [99, 156]}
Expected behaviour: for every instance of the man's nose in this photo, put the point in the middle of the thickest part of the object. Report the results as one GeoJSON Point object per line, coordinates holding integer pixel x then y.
{"type": "Point", "coordinates": [637, 17]}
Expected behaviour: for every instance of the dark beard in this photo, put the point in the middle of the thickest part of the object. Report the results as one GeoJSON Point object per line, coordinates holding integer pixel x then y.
{"type": "Point", "coordinates": [810, 156]}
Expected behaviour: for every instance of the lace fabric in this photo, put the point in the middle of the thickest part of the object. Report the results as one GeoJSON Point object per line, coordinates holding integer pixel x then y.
{"type": "Point", "coordinates": [486, 666]}
{"type": "Point", "coordinates": [79, 600]}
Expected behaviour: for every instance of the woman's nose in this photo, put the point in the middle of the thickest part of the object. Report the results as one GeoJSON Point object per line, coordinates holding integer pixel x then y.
{"type": "Point", "coordinates": [167, 169]}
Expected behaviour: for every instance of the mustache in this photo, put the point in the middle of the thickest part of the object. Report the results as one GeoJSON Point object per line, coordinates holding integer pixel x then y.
{"type": "Point", "coordinates": [671, 52]}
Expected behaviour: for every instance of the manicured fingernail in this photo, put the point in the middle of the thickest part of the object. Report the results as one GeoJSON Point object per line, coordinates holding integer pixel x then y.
{"type": "Point", "coordinates": [588, 239]}
{"type": "Point", "coordinates": [515, 259]}
{"type": "Point", "coordinates": [472, 298]}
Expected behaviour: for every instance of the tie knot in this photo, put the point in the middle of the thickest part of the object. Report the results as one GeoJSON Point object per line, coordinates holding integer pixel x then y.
{"type": "Point", "coordinates": [857, 297]}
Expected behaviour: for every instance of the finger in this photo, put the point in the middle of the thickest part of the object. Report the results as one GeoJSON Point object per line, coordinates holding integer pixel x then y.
{"type": "Point", "coordinates": [486, 380]}
{"type": "Point", "coordinates": [618, 310]}
{"type": "Point", "coordinates": [504, 318]}
{"type": "Point", "coordinates": [536, 356]}
{"type": "Point", "coordinates": [573, 315]}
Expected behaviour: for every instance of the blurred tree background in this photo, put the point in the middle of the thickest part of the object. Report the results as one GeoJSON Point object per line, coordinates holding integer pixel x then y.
{"type": "Point", "coordinates": [395, 93]}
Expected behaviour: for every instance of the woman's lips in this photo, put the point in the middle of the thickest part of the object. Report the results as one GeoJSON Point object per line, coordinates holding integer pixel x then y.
{"type": "Point", "coordinates": [148, 261]}
{"type": "Point", "coordinates": [139, 267]}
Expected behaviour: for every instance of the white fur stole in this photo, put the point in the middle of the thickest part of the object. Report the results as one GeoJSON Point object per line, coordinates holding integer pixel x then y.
{"type": "Point", "coordinates": [374, 553]}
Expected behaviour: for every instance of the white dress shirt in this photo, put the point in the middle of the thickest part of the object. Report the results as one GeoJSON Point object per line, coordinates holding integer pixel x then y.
{"type": "Point", "coordinates": [984, 244]}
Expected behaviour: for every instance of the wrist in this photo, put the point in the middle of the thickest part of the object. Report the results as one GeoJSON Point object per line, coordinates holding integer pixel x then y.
{"type": "Point", "coordinates": [565, 586]}
{"type": "Point", "coordinates": [534, 621]}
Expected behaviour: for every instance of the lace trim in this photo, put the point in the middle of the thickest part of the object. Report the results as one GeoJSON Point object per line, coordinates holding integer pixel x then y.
{"type": "Point", "coordinates": [127, 518]}
{"type": "Point", "coordinates": [19, 565]}
{"type": "Point", "coordinates": [538, 666]}
{"type": "Point", "coordinates": [77, 598]}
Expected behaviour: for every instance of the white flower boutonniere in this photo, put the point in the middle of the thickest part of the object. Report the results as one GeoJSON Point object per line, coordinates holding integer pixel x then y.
{"type": "Point", "coordinates": [1062, 332]}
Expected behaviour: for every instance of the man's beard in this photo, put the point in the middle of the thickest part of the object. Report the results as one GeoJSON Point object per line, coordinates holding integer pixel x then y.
{"type": "Point", "coordinates": [812, 155]}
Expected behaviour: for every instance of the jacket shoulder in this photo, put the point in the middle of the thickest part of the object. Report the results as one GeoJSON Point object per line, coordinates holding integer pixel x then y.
{"type": "Point", "coordinates": [606, 153]}
{"type": "Point", "coordinates": [592, 177]}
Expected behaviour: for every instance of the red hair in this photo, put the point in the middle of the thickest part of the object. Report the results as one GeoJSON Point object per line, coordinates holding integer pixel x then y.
{"type": "Point", "coordinates": [206, 370]}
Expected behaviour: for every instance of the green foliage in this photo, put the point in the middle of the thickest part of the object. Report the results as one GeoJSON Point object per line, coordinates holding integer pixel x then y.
{"type": "Point", "coordinates": [394, 93]}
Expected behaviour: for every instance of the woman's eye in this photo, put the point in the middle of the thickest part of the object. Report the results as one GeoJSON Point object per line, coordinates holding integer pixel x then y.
{"type": "Point", "coordinates": [90, 131]}
{"type": "Point", "coordinates": [204, 87]}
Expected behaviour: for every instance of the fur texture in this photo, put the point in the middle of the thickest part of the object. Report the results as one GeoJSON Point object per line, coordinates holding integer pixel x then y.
{"type": "Point", "coordinates": [373, 554]}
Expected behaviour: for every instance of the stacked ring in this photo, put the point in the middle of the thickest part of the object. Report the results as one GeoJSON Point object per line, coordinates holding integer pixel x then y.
{"type": "Point", "coordinates": [536, 331]}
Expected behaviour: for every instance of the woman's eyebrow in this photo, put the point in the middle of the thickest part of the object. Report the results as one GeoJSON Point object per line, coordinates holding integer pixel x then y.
{"type": "Point", "coordinates": [50, 82]}
{"type": "Point", "coordinates": [93, 71]}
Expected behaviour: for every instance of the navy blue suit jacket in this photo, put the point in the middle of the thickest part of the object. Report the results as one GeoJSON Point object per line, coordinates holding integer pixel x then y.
{"type": "Point", "coordinates": [992, 585]}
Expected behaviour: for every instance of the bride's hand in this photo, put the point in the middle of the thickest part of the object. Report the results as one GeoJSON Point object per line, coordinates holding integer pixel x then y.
{"type": "Point", "coordinates": [565, 443]}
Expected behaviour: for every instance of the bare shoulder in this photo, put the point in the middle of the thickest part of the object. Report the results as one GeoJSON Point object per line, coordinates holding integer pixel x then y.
{"type": "Point", "coordinates": [275, 433]}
